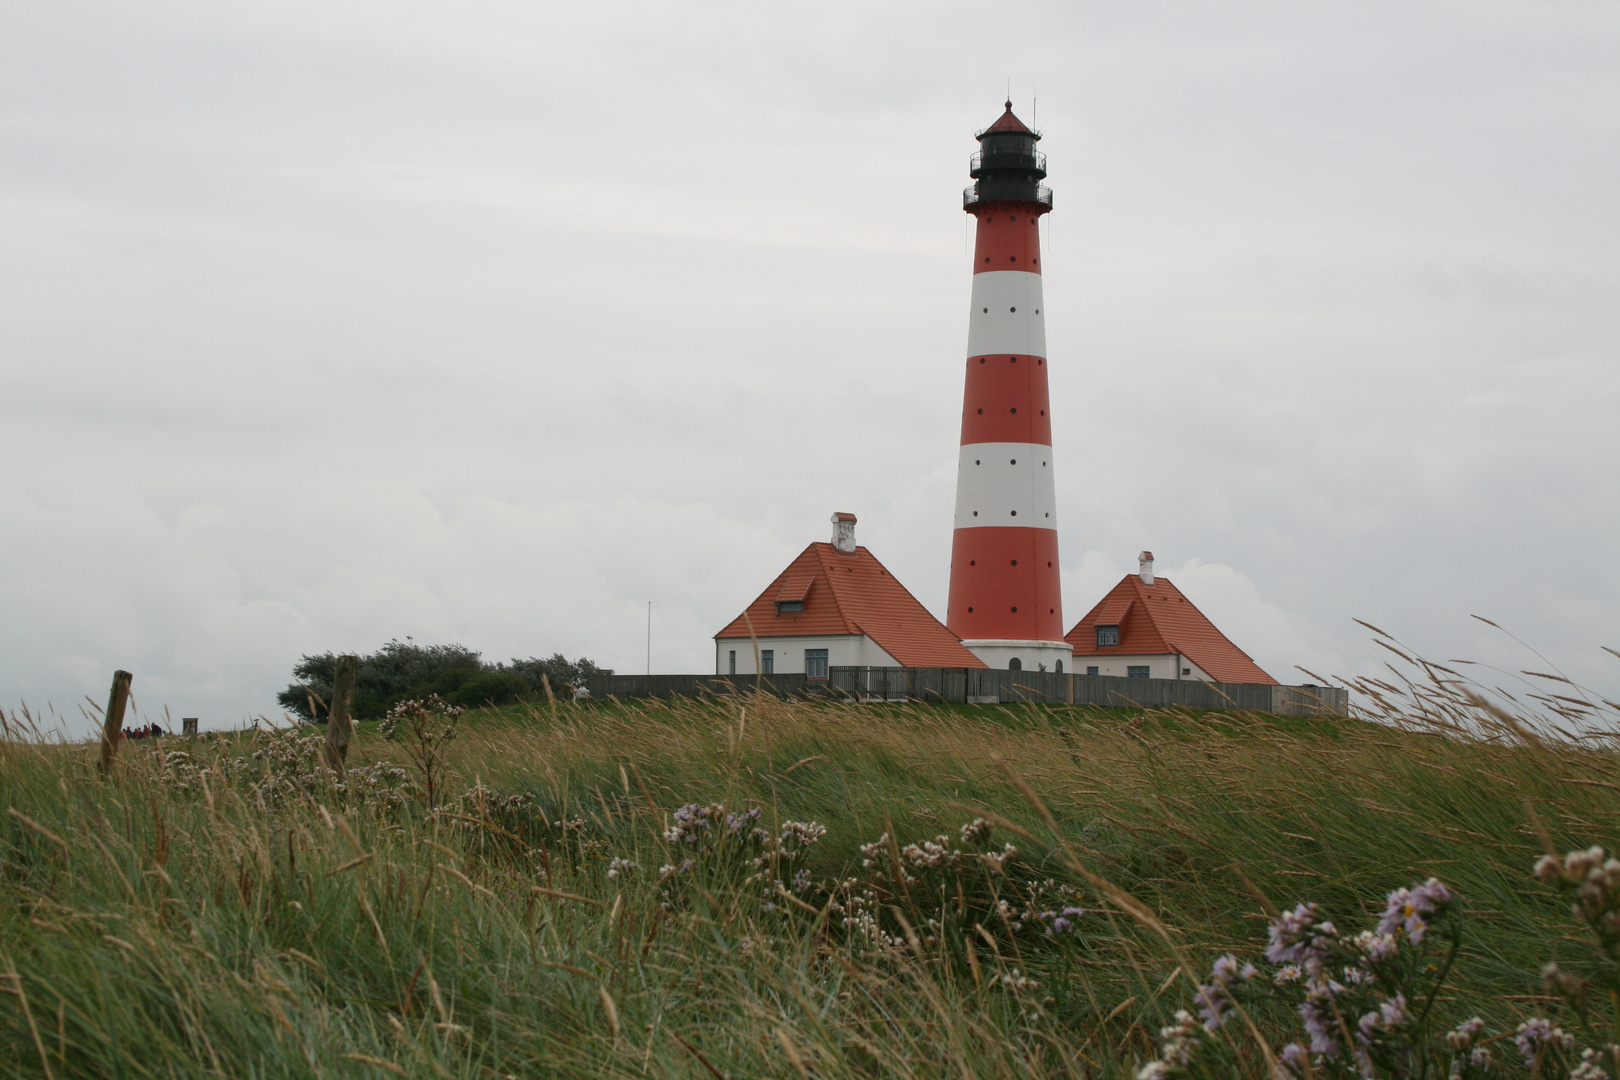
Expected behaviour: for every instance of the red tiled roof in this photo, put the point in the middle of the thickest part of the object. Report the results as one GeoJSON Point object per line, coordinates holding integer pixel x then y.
{"type": "Point", "coordinates": [852, 594]}
{"type": "Point", "coordinates": [1007, 122]}
{"type": "Point", "coordinates": [1155, 620]}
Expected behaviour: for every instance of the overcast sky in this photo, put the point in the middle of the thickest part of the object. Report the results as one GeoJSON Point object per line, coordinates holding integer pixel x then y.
{"type": "Point", "coordinates": [326, 323]}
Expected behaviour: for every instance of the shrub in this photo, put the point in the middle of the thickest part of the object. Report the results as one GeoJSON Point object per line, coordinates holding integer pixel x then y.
{"type": "Point", "coordinates": [404, 671]}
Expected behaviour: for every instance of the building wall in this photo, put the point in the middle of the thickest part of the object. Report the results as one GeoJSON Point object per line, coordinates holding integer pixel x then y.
{"type": "Point", "coordinates": [1160, 666]}
{"type": "Point", "coordinates": [843, 650]}
{"type": "Point", "coordinates": [1030, 654]}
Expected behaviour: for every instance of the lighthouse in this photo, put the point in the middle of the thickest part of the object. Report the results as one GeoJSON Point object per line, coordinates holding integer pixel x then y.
{"type": "Point", "coordinates": [1004, 599]}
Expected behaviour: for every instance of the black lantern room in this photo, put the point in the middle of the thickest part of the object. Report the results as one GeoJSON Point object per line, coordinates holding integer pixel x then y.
{"type": "Point", "coordinates": [1007, 167]}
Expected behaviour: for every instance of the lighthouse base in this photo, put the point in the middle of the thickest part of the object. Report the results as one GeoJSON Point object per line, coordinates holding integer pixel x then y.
{"type": "Point", "coordinates": [1025, 655]}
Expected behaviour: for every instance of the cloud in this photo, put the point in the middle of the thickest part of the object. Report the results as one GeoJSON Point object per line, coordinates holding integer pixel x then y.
{"type": "Point", "coordinates": [321, 325]}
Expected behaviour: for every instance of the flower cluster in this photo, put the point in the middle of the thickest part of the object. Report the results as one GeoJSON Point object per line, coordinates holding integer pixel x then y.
{"type": "Point", "coordinates": [692, 823]}
{"type": "Point", "coordinates": [384, 785]}
{"type": "Point", "coordinates": [1592, 878]}
{"type": "Point", "coordinates": [489, 801]}
{"type": "Point", "coordinates": [619, 868]}
{"type": "Point", "coordinates": [669, 870]}
{"type": "Point", "coordinates": [289, 764]}
{"type": "Point", "coordinates": [976, 831]}
{"type": "Point", "coordinates": [1215, 996]}
{"type": "Point", "coordinates": [1536, 1038]}
{"type": "Point", "coordinates": [1019, 983]}
{"type": "Point", "coordinates": [796, 836]}
{"type": "Point", "coordinates": [1364, 1001]}
{"type": "Point", "coordinates": [1412, 910]}
{"type": "Point", "coordinates": [737, 824]}
{"type": "Point", "coordinates": [930, 853]}
{"type": "Point", "coordinates": [418, 708]}
{"type": "Point", "coordinates": [856, 907]}
{"type": "Point", "coordinates": [1589, 1069]}
{"type": "Point", "coordinates": [1062, 922]}
{"type": "Point", "coordinates": [714, 839]}
{"type": "Point", "coordinates": [1352, 994]}
{"type": "Point", "coordinates": [1469, 1056]}
{"type": "Point", "coordinates": [1177, 1044]}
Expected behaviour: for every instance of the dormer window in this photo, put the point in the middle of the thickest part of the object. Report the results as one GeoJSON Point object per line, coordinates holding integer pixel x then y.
{"type": "Point", "coordinates": [795, 591]}
{"type": "Point", "coordinates": [1107, 635]}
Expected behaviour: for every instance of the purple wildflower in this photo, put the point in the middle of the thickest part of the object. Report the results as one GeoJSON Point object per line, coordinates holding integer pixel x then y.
{"type": "Point", "coordinates": [1292, 1062]}
{"type": "Point", "coordinates": [1319, 1025]}
{"type": "Point", "coordinates": [1411, 909]}
{"type": "Point", "coordinates": [1393, 1012]}
{"type": "Point", "coordinates": [1381, 947]}
{"type": "Point", "coordinates": [1288, 934]}
{"type": "Point", "coordinates": [1462, 1036]}
{"type": "Point", "coordinates": [1215, 997]}
{"type": "Point", "coordinates": [736, 823]}
{"type": "Point", "coordinates": [690, 824]}
{"type": "Point", "coordinates": [1537, 1036]}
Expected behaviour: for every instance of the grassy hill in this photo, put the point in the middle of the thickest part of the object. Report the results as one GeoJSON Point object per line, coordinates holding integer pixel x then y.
{"type": "Point", "coordinates": [851, 890]}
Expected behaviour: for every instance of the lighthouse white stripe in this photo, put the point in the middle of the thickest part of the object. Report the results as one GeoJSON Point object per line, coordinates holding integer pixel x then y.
{"type": "Point", "coordinates": [995, 326]}
{"type": "Point", "coordinates": [988, 481]}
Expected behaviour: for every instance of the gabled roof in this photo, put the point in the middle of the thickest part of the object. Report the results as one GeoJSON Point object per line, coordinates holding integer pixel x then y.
{"type": "Point", "coordinates": [852, 594]}
{"type": "Point", "coordinates": [1156, 620]}
{"type": "Point", "coordinates": [1007, 122]}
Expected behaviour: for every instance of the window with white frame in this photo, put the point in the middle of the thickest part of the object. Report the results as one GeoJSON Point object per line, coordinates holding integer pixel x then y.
{"type": "Point", "coordinates": [815, 663]}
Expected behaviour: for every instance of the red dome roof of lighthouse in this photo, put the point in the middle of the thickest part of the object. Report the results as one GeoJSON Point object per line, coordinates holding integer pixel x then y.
{"type": "Point", "coordinates": [1008, 122]}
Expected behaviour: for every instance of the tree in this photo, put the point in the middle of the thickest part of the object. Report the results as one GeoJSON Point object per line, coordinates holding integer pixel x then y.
{"type": "Point", "coordinates": [404, 670]}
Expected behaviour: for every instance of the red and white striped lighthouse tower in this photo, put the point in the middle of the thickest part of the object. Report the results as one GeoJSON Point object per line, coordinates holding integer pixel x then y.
{"type": "Point", "coordinates": [1004, 601]}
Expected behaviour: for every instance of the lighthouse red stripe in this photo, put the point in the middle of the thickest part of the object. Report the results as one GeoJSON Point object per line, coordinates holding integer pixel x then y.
{"type": "Point", "coordinates": [986, 585]}
{"type": "Point", "coordinates": [1006, 400]}
{"type": "Point", "coordinates": [1009, 237]}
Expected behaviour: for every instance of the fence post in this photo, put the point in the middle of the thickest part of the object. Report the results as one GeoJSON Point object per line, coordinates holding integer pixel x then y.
{"type": "Point", "coordinates": [337, 714]}
{"type": "Point", "coordinates": [112, 723]}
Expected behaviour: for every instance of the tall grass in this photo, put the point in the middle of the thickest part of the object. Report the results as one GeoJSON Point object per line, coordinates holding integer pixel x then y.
{"type": "Point", "coordinates": [220, 907]}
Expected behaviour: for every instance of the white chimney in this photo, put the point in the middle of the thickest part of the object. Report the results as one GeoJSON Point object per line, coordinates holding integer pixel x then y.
{"type": "Point", "coordinates": [844, 532]}
{"type": "Point", "coordinates": [1144, 567]}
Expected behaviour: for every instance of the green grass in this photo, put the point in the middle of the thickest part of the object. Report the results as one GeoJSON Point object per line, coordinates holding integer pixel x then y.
{"type": "Point", "coordinates": [173, 922]}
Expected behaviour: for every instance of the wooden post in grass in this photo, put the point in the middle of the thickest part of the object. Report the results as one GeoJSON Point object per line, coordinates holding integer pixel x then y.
{"type": "Point", "coordinates": [112, 722]}
{"type": "Point", "coordinates": [337, 715]}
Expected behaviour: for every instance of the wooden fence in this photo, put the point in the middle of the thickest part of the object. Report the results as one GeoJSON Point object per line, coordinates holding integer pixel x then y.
{"type": "Point", "coordinates": [991, 686]}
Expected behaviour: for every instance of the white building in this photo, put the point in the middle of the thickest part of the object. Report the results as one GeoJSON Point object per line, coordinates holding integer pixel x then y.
{"type": "Point", "coordinates": [1144, 627]}
{"type": "Point", "coordinates": [835, 606]}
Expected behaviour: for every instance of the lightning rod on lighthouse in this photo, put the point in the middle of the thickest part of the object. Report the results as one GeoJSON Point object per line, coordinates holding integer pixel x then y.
{"type": "Point", "coordinates": [1005, 600]}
